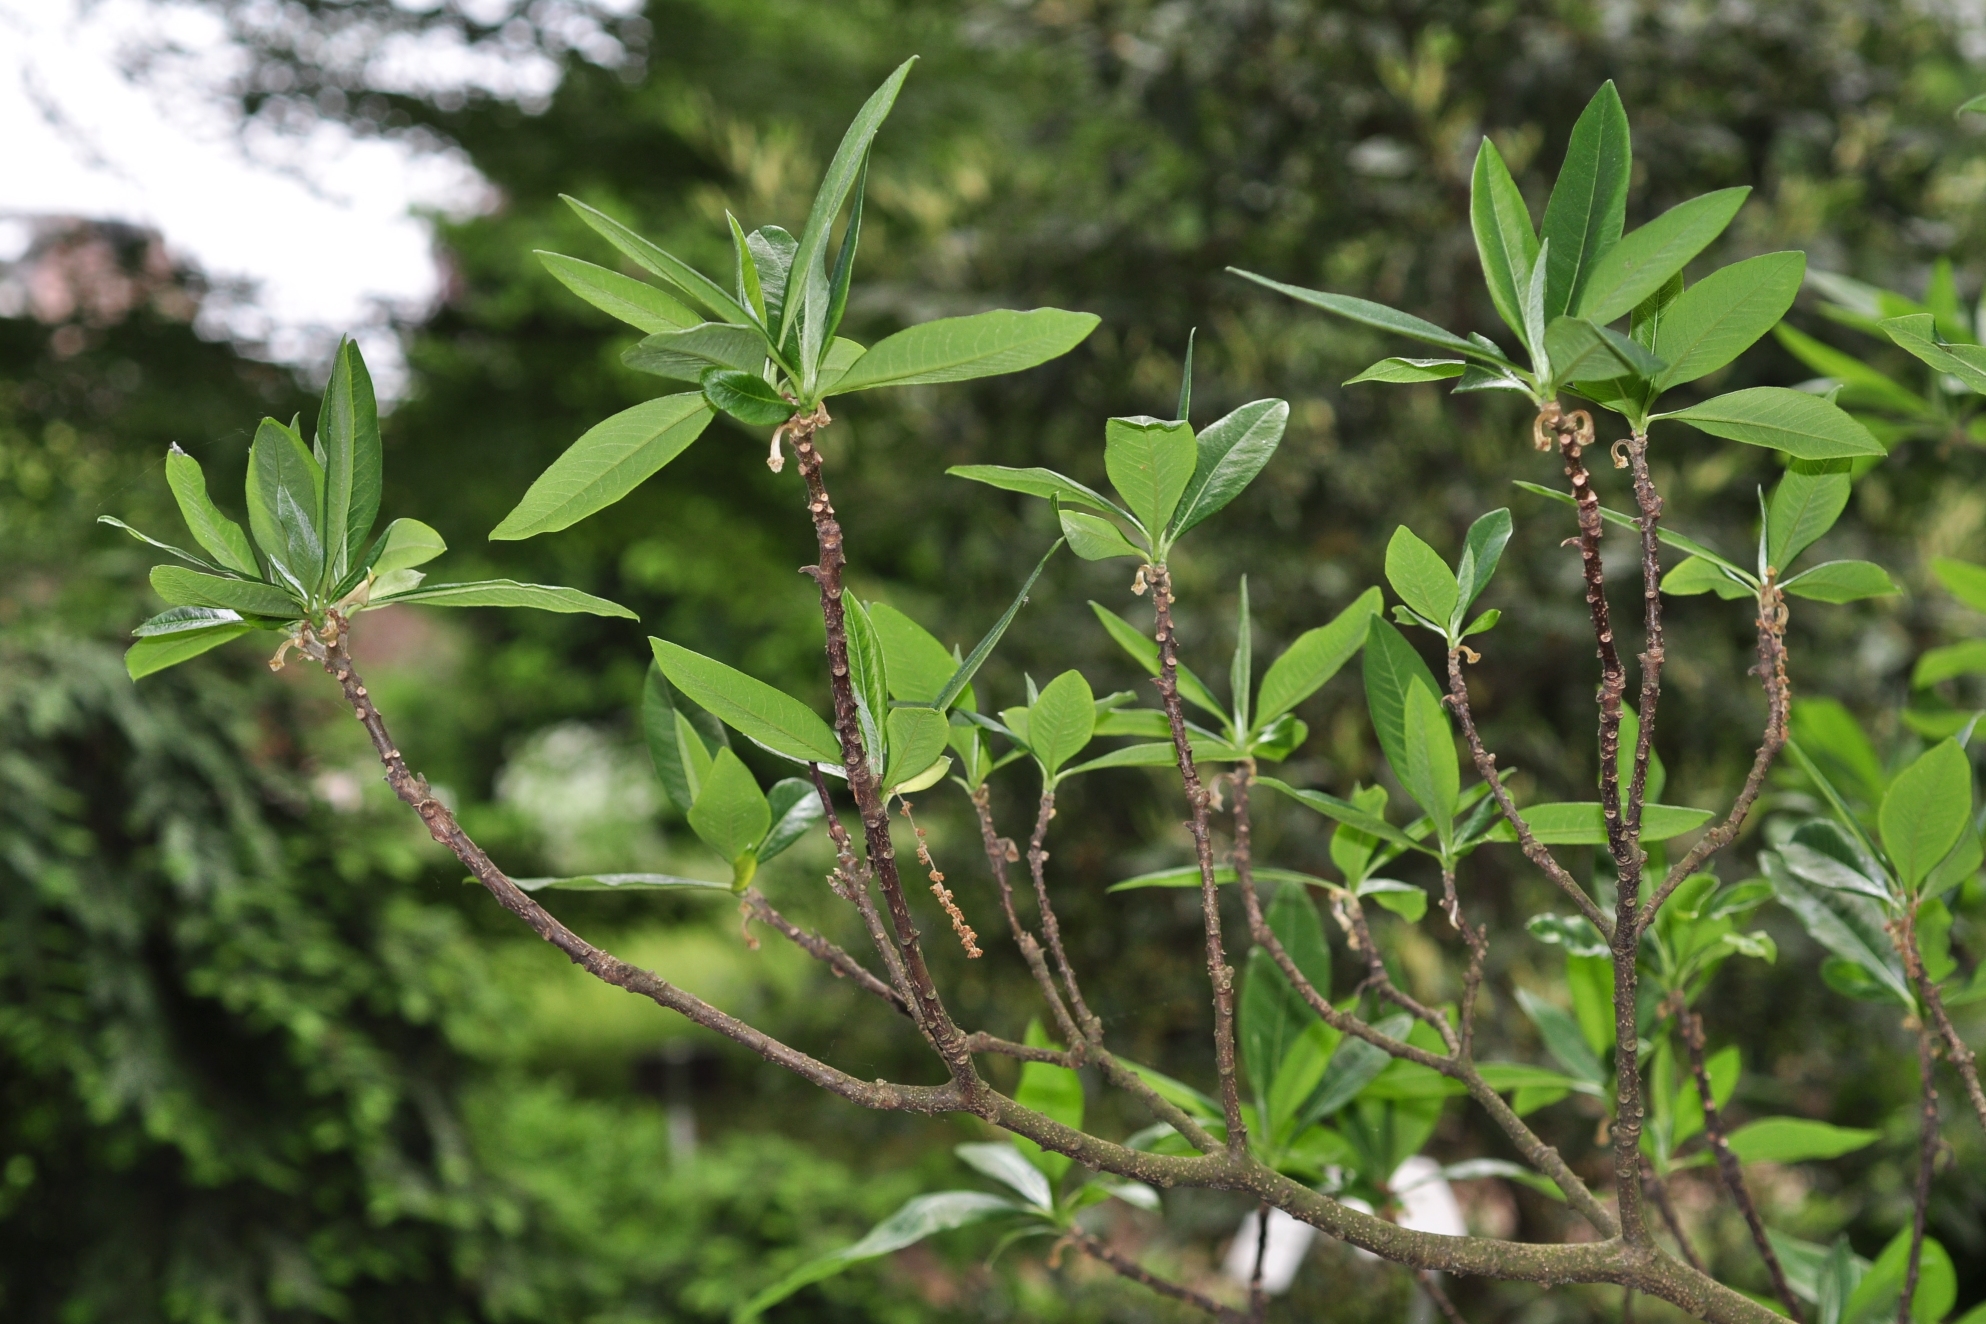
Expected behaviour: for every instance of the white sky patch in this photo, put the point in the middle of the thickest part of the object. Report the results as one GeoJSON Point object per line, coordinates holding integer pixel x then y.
{"type": "Point", "coordinates": [323, 229]}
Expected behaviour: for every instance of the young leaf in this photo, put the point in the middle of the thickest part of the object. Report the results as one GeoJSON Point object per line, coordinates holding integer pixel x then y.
{"type": "Point", "coordinates": [869, 678]}
{"type": "Point", "coordinates": [405, 544]}
{"type": "Point", "coordinates": [1841, 581]}
{"type": "Point", "coordinates": [1419, 575]}
{"type": "Point", "coordinates": [1041, 483]}
{"type": "Point", "coordinates": [609, 460]}
{"type": "Point", "coordinates": [1239, 677]}
{"type": "Point", "coordinates": [1378, 315]}
{"type": "Point", "coordinates": [1505, 241]}
{"type": "Point", "coordinates": [1410, 370]}
{"type": "Point", "coordinates": [957, 349]}
{"type": "Point", "coordinates": [1184, 410]}
{"type": "Point", "coordinates": [730, 814]}
{"type": "Point", "coordinates": [159, 651]}
{"type": "Point", "coordinates": [1588, 206]}
{"type": "Point", "coordinates": [1392, 667]}
{"type": "Point", "coordinates": [220, 536]}
{"type": "Point", "coordinates": [686, 355]}
{"type": "Point", "coordinates": [1724, 314]}
{"type": "Point", "coordinates": [1534, 319]}
{"type": "Point", "coordinates": [1144, 651]}
{"type": "Point", "coordinates": [746, 265]}
{"type": "Point", "coordinates": [1805, 505]}
{"type": "Point", "coordinates": [702, 291]}
{"type": "Point", "coordinates": [917, 664]}
{"type": "Point", "coordinates": [1095, 539]}
{"type": "Point", "coordinates": [1641, 262]}
{"type": "Point", "coordinates": [1696, 575]}
{"type": "Point", "coordinates": [1314, 658]}
{"type": "Point", "coordinates": [189, 588]}
{"type": "Point", "coordinates": [1796, 1140]}
{"type": "Point", "coordinates": [635, 302]}
{"type": "Point", "coordinates": [1481, 550]}
{"type": "Point", "coordinates": [1582, 351]}
{"type": "Point", "coordinates": [795, 806]}
{"type": "Point", "coordinates": [844, 262]}
{"type": "Point", "coordinates": [348, 430]}
{"type": "Point", "coordinates": [755, 709]}
{"type": "Point", "coordinates": [1150, 462]}
{"type": "Point", "coordinates": [1431, 774]}
{"type": "Point", "coordinates": [510, 593]}
{"type": "Point", "coordinates": [1803, 426]}
{"type": "Point", "coordinates": [1229, 453]}
{"type": "Point", "coordinates": [916, 738]}
{"type": "Point", "coordinates": [286, 502]}
{"type": "Point", "coordinates": [1965, 581]}
{"type": "Point", "coordinates": [1061, 721]}
{"type": "Point", "coordinates": [772, 249]}
{"type": "Point", "coordinates": [1927, 807]}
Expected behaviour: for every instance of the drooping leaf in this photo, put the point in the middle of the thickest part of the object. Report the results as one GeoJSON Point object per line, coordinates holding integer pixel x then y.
{"type": "Point", "coordinates": [635, 302]}
{"type": "Point", "coordinates": [609, 460]}
{"type": "Point", "coordinates": [730, 815]}
{"type": "Point", "coordinates": [1505, 241]}
{"type": "Point", "coordinates": [220, 536]}
{"type": "Point", "coordinates": [1588, 205]}
{"type": "Point", "coordinates": [795, 806]}
{"type": "Point", "coordinates": [1796, 1140]}
{"type": "Point", "coordinates": [1377, 315]}
{"type": "Point", "coordinates": [1860, 384]}
{"type": "Point", "coordinates": [1848, 925]}
{"type": "Point", "coordinates": [1041, 483]}
{"type": "Point", "coordinates": [701, 291]}
{"type": "Point", "coordinates": [1229, 453]}
{"type": "Point", "coordinates": [286, 502]}
{"type": "Point", "coordinates": [1645, 259]}
{"type": "Point", "coordinates": [1061, 721]}
{"type": "Point", "coordinates": [957, 349]}
{"type": "Point", "coordinates": [189, 588]}
{"type": "Point", "coordinates": [755, 709]}
{"type": "Point", "coordinates": [348, 431]}
{"type": "Point", "coordinates": [1419, 575]}
{"type": "Point", "coordinates": [1803, 426]}
{"type": "Point", "coordinates": [1314, 658]}
{"type": "Point", "coordinates": [1409, 370]}
{"type": "Point", "coordinates": [1391, 667]}
{"type": "Point", "coordinates": [1144, 650]}
{"type": "Point", "coordinates": [159, 651]}
{"type": "Point", "coordinates": [1928, 805]}
{"type": "Point", "coordinates": [1150, 462]}
{"type": "Point", "coordinates": [510, 593]}
{"type": "Point", "coordinates": [178, 553]}
{"type": "Point", "coordinates": [1696, 575]}
{"type": "Point", "coordinates": [1841, 581]}
{"type": "Point", "coordinates": [1917, 335]}
{"type": "Point", "coordinates": [1724, 314]}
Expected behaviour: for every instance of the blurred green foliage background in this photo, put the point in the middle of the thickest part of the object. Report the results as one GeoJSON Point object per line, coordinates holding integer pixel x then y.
{"type": "Point", "coordinates": [262, 1057]}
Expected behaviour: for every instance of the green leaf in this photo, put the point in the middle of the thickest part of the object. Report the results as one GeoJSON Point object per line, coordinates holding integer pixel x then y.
{"type": "Point", "coordinates": [772, 250]}
{"type": "Point", "coordinates": [1230, 452]}
{"type": "Point", "coordinates": [1094, 538]}
{"type": "Point", "coordinates": [1963, 580]}
{"type": "Point", "coordinates": [180, 620]}
{"type": "Point", "coordinates": [1805, 505]}
{"type": "Point", "coordinates": [1724, 314]}
{"type": "Point", "coordinates": [1410, 370]}
{"type": "Point", "coordinates": [1584, 823]}
{"type": "Point", "coordinates": [348, 432]}
{"type": "Point", "coordinates": [1942, 664]}
{"type": "Point", "coordinates": [1314, 658]}
{"type": "Point", "coordinates": [746, 396]}
{"type": "Point", "coordinates": [1241, 667]}
{"type": "Point", "coordinates": [617, 882]}
{"type": "Point", "coordinates": [1160, 754]}
{"type": "Point", "coordinates": [919, 1218]}
{"type": "Point", "coordinates": [1392, 667]}
{"type": "Point", "coordinates": [609, 460]}
{"type": "Point", "coordinates": [510, 593]}
{"type": "Point", "coordinates": [1293, 919]}
{"type": "Point", "coordinates": [1723, 1068]}
{"type": "Point", "coordinates": [1355, 852]}
{"type": "Point", "coordinates": [702, 291]}
{"type": "Point", "coordinates": [957, 349]}
{"type": "Point", "coordinates": [1041, 483]}
{"type": "Point", "coordinates": [1588, 206]}
{"type": "Point", "coordinates": [1860, 384]}
{"type": "Point", "coordinates": [1403, 899]}
{"type": "Point", "coordinates": [1795, 1140]}
{"type": "Point", "coordinates": [1188, 875]}
{"type": "Point", "coordinates": [916, 737]}
{"type": "Point", "coordinates": [1643, 261]}
{"type": "Point", "coordinates": [844, 262]}
{"type": "Point", "coordinates": [179, 552]}
{"type": "Point", "coordinates": [1927, 807]}
{"type": "Point", "coordinates": [1143, 650]}
{"type": "Point", "coordinates": [1876, 1297]}
{"type": "Point", "coordinates": [755, 709]}
{"type": "Point", "coordinates": [730, 815]}
{"type": "Point", "coordinates": [1696, 575]}
{"type": "Point", "coordinates": [1841, 581]}
{"type": "Point", "coordinates": [1432, 774]}
{"type": "Point", "coordinates": [189, 588]}
{"type": "Point", "coordinates": [1505, 242]}
{"type": "Point", "coordinates": [1419, 575]}
{"type": "Point", "coordinates": [1006, 1164]}
{"type": "Point", "coordinates": [844, 173]}
{"type": "Point", "coordinates": [1917, 334]}
{"type": "Point", "coordinates": [960, 680]}
{"type": "Point", "coordinates": [1061, 721]}
{"type": "Point", "coordinates": [917, 664]}
{"type": "Point", "coordinates": [405, 544]}
{"type": "Point", "coordinates": [1353, 1067]}
{"type": "Point", "coordinates": [1668, 536]}
{"type": "Point", "coordinates": [1848, 925]}
{"type": "Point", "coordinates": [286, 502]}
{"type": "Point", "coordinates": [1150, 462]}
{"type": "Point", "coordinates": [1582, 351]}
{"type": "Point", "coordinates": [159, 651]}
{"type": "Point", "coordinates": [222, 538]}
{"type": "Point", "coordinates": [868, 677]}
{"type": "Point", "coordinates": [1378, 315]}
{"type": "Point", "coordinates": [688, 354]}
{"type": "Point", "coordinates": [674, 746]}
{"type": "Point", "coordinates": [1563, 1038]}
{"type": "Point", "coordinates": [1357, 817]}
{"type": "Point", "coordinates": [1481, 550]}
{"type": "Point", "coordinates": [1803, 426]}
{"type": "Point", "coordinates": [1828, 732]}
{"type": "Point", "coordinates": [635, 302]}
{"type": "Point", "coordinates": [796, 806]}
{"type": "Point", "coordinates": [1273, 1017]}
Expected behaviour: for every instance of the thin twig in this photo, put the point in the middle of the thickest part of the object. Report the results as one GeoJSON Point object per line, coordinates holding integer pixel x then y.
{"type": "Point", "coordinates": [1658, 1191]}
{"type": "Point", "coordinates": [1000, 853]}
{"type": "Point", "coordinates": [1431, 1284]}
{"type": "Point", "coordinates": [1649, 503]}
{"type": "Point", "coordinates": [1258, 1300]}
{"type": "Point", "coordinates": [1927, 992]}
{"type": "Point", "coordinates": [852, 884]}
{"type": "Point", "coordinates": [844, 965]}
{"type": "Point", "coordinates": [1927, 1159]}
{"type": "Point", "coordinates": [1129, 1268]}
{"type": "Point", "coordinates": [1051, 929]}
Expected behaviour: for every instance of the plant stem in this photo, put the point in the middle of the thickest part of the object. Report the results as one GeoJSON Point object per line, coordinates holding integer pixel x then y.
{"type": "Point", "coordinates": [818, 947]}
{"type": "Point", "coordinates": [1219, 972]}
{"type": "Point", "coordinates": [997, 847]}
{"type": "Point", "coordinates": [1037, 861]}
{"type": "Point", "coordinates": [854, 876]}
{"type": "Point", "coordinates": [1649, 502]}
{"type": "Point", "coordinates": [1432, 1286]}
{"type": "Point", "coordinates": [1927, 1160]}
{"type": "Point", "coordinates": [1658, 1191]}
{"type": "Point", "coordinates": [1927, 992]}
{"type": "Point", "coordinates": [1129, 1268]}
{"type": "Point", "coordinates": [1258, 1300]}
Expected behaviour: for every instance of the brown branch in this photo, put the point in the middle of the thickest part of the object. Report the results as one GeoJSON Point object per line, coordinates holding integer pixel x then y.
{"type": "Point", "coordinates": [1961, 1055]}
{"type": "Point", "coordinates": [1000, 853]}
{"type": "Point", "coordinates": [1658, 1191]}
{"type": "Point", "coordinates": [1258, 1300]}
{"type": "Point", "coordinates": [1219, 972]}
{"type": "Point", "coordinates": [1129, 1268]}
{"type": "Point", "coordinates": [1728, 1166]}
{"type": "Point", "coordinates": [1927, 1159]}
{"type": "Point", "coordinates": [981, 1042]}
{"type": "Point", "coordinates": [852, 884]}
{"type": "Point", "coordinates": [936, 1022]}
{"type": "Point", "coordinates": [1051, 929]}
{"type": "Point", "coordinates": [1650, 504]}
{"type": "Point", "coordinates": [844, 965]}
{"type": "Point", "coordinates": [1447, 1308]}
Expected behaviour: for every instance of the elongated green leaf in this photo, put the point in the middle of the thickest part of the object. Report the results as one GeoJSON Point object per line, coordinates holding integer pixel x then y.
{"type": "Point", "coordinates": [1588, 206]}
{"type": "Point", "coordinates": [1841, 581]}
{"type": "Point", "coordinates": [1041, 483]}
{"type": "Point", "coordinates": [1927, 807]}
{"type": "Point", "coordinates": [1061, 721]}
{"type": "Point", "coordinates": [286, 502]}
{"type": "Point", "coordinates": [157, 652]}
{"type": "Point", "coordinates": [1367, 313]}
{"type": "Point", "coordinates": [1482, 548]}
{"type": "Point", "coordinates": [777, 721]}
{"type": "Point", "coordinates": [730, 815]}
{"type": "Point", "coordinates": [677, 765]}
{"type": "Point", "coordinates": [405, 544]}
{"type": "Point", "coordinates": [348, 431]}
{"type": "Point", "coordinates": [919, 1218]}
{"type": "Point", "coordinates": [220, 536]}
{"type": "Point", "coordinates": [180, 620]}
{"type": "Point", "coordinates": [1860, 384]}
{"type": "Point", "coordinates": [1583, 823]}
{"type": "Point", "coordinates": [1432, 774]}
{"type": "Point", "coordinates": [1848, 925]}
{"type": "Point", "coordinates": [1094, 538]}
{"type": "Point", "coordinates": [1965, 581]}
{"type": "Point", "coordinates": [1273, 1016]}
{"type": "Point", "coordinates": [917, 664]}
{"type": "Point", "coordinates": [796, 806]}
{"type": "Point", "coordinates": [747, 397]}
{"type": "Point", "coordinates": [1054, 1091]}
{"type": "Point", "coordinates": [1159, 754]}
{"type": "Point", "coordinates": [1419, 575]}
{"type": "Point", "coordinates": [1143, 650]}
{"type": "Point", "coordinates": [190, 588]}
{"type": "Point", "coordinates": [1697, 575]}
{"type": "Point", "coordinates": [1803, 426]}
{"type": "Point", "coordinates": [1391, 666]}
{"type": "Point", "coordinates": [622, 882]}
{"type": "Point", "coordinates": [1150, 461]}
{"type": "Point", "coordinates": [1917, 334]}
{"type": "Point", "coordinates": [1006, 1164]}
{"type": "Point", "coordinates": [960, 680]}
{"type": "Point", "coordinates": [1563, 1038]}
{"type": "Point", "coordinates": [1240, 673]}
{"type": "Point", "coordinates": [687, 354]}
{"type": "Point", "coordinates": [1344, 811]}
{"type": "Point", "coordinates": [957, 349]}
{"type": "Point", "coordinates": [1314, 658]}
{"type": "Point", "coordinates": [1582, 351]}
{"type": "Point", "coordinates": [1796, 1140]}
{"type": "Point", "coordinates": [1409, 370]}
{"type": "Point", "coordinates": [1880, 1291]}
{"type": "Point", "coordinates": [1188, 875]}
{"type": "Point", "coordinates": [635, 302]}
{"type": "Point", "coordinates": [916, 737]}
{"type": "Point", "coordinates": [179, 553]}
{"type": "Point", "coordinates": [510, 593]}
{"type": "Point", "coordinates": [1505, 241]}
{"type": "Point", "coordinates": [609, 460]}
{"type": "Point", "coordinates": [1805, 505]}
{"type": "Point", "coordinates": [1724, 314]}
{"type": "Point", "coordinates": [1229, 453]}
{"type": "Point", "coordinates": [1354, 1067]}
{"type": "Point", "coordinates": [702, 291]}
{"type": "Point", "coordinates": [1644, 260]}
{"type": "Point", "coordinates": [1669, 537]}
